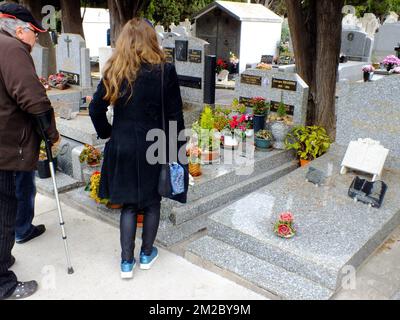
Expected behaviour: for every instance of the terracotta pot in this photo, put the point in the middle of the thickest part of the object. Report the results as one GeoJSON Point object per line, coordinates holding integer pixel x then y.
{"type": "Point", "coordinates": [304, 163]}
{"type": "Point", "coordinates": [195, 169]}
{"type": "Point", "coordinates": [210, 156]}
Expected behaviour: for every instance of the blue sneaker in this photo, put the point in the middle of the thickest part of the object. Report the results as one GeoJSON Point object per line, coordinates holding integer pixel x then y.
{"type": "Point", "coordinates": [147, 261]}
{"type": "Point", "coordinates": [127, 269]}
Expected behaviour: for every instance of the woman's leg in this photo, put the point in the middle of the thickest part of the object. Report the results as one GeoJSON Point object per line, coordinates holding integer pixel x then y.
{"type": "Point", "coordinates": [128, 233]}
{"type": "Point", "coordinates": [151, 222]}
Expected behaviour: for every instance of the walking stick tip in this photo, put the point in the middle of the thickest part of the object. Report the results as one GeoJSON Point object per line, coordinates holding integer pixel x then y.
{"type": "Point", "coordinates": [70, 270]}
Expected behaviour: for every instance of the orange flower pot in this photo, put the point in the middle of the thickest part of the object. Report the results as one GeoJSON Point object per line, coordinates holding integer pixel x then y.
{"type": "Point", "coordinates": [195, 169]}
{"type": "Point", "coordinates": [304, 163]}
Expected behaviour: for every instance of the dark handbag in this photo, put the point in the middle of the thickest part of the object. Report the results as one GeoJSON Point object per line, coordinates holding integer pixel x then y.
{"type": "Point", "coordinates": [174, 178]}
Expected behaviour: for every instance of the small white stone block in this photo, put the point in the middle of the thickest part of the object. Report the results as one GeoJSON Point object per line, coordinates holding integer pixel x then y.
{"type": "Point", "coordinates": [365, 155]}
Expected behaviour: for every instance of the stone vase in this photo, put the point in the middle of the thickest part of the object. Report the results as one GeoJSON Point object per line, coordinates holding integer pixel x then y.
{"type": "Point", "coordinates": [279, 130]}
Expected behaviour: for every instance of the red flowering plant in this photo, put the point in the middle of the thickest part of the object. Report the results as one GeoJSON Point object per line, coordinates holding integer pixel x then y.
{"type": "Point", "coordinates": [239, 125]}
{"type": "Point", "coordinates": [221, 65]}
{"type": "Point", "coordinates": [284, 226]}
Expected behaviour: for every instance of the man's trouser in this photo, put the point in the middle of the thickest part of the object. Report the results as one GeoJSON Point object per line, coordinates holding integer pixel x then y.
{"type": "Point", "coordinates": [8, 212]}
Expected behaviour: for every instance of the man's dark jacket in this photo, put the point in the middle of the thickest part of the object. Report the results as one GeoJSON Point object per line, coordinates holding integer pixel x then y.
{"type": "Point", "coordinates": [21, 96]}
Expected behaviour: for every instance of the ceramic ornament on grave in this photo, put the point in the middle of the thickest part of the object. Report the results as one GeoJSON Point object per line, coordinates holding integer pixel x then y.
{"type": "Point", "coordinates": [365, 155]}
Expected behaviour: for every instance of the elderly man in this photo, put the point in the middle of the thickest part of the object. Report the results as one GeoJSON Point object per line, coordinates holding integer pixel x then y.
{"type": "Point", "coordinates": [22, 96]}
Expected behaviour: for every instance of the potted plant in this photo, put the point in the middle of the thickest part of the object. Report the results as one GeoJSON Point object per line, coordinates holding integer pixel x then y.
{"type": "Point", "coordinates": [280, 128]}
{"type": "Point", "coordinates": [43, 166]}
{"type": "Point", "coordinates": [249, 125]}
{"type": "Point", "coordinates": [260, 111]}
{"type": "Point", "coordinates": [263, 139]}
{"type": "Point", "coordinates": [93, 187]}
{"type": "Point", "coordinates": [390, 62]}
{"type": "Point", "coordinates": [368, 73]}
{"type": "Point", "coordinates": [194, 156]}
{"type": "Point", "coordinates": [59, 81]}
{"type": "Point", "coordinates": [309, 142]}
{"type": "Point", "coordinates": [208, 137]}
{"type": "Point", "coordinates": [221, 65]}
{"type": "Point", "coordinates": [90, 155]}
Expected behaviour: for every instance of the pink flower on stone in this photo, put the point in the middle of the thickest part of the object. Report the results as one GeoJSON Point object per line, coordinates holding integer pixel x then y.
{"type": "Point", "coordinates": [286, 217]}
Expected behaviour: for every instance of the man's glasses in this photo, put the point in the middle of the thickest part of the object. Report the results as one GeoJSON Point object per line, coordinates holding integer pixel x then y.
{"type": "Point", "coordinates": [35, 32]}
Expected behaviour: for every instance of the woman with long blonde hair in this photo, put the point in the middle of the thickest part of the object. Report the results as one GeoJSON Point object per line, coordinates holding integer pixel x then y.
{"type": "Point", "coordinates": [132, 85]}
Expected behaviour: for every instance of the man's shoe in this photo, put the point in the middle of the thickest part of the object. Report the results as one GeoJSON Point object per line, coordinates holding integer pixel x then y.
{"type": "Point", "coordinates": [147, 261]}
{"type": "Point", "coordinates": [37, 231]}
{"type": "Point", "coordinates": [12, 261]}
{"type": "Point", "coordinates": [127, 269]}
{"type": "Point", "coordinates": [24, 290]}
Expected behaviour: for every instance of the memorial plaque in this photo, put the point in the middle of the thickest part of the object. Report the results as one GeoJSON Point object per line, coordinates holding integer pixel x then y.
{"type": "Point", "coordinates": [169, 55]}
{"type": "Point", "coordinates": [190, 82]}
{"type": "Point", "coordinates": [275, 106]}
{"type": "Point", "coordinates": [267, 59]}
{"type": "Point", "coordinates": [73, 78]}
{"type": "Point", "coordinates": [181, 50]}
{"type": "Point", "coordinates": [245, 101]}
{"type": "Point", "coordinates": [252, 80]}
{"type": "Point", "coordinates": [284, 84]}
{"type": "Point", "coordinates": [195, 56]}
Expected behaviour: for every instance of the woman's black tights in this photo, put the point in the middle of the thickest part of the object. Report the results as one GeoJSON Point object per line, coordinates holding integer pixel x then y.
{"type": "Point", "coordinates": [151, 222]}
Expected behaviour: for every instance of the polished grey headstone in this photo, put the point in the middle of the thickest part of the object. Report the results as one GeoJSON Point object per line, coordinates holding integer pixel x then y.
{"type": "Point", "coordinates": [272, 278]}
{"type": "Point", "coordinates": [333, 232]}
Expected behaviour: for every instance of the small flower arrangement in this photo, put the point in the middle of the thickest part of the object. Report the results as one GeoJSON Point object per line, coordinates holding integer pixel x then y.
{"type": "Point", "coordinates": [59, 81]}
{"type": "Point", "coordinates": [233, 59]}
{"type": "Point", "coordinates": [260, 106]}
{"type": "Point", "coordinates": [264, 66]}
{"type": "Point", "coordinates": [284, 226]}
{"type": "Point", "coordinates": [90, 155]}
{"type": "Point", "coordinates": [391, 61]}
{"type": "Point", "coordinates": [264, 135]}
{"type": "Point", "coordinates": [221, 65]}
{"type": "Point", "coordinates": [368, 69]}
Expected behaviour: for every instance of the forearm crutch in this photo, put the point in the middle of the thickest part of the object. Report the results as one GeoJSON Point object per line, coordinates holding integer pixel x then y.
{"type": "Point", "coordinates": [43, 122]}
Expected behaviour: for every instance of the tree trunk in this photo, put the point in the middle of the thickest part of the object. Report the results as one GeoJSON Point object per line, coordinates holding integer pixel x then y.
{"type": "Point", "coordinates": [316, 32]}
{"type": "Point", "coordinates": [44, 38]}
{"type": "Point", "coordinates": [71, 17]}
{"type": "Point", "coordinates": [329, 31]}
{"type": "Point", "coordinates": [121, 11]}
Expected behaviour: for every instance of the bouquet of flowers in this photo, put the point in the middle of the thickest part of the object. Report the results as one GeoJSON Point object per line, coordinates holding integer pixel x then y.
{"type": "Point", "coordinates": [58, 81]}
{"type": "Point", "coordinates": [45, 83]}
{"type": "Point", "coordinates": [91, 155]}
{"type": "Point", "coordinates": [368, 69]}
{"type": "Point", "coordinates": [233, 59]}
{"type": "Point", "coordinates": [284, 226]}
{"type": "Point", "coordinates": [221, 65]}
{"type": "Point", "coordinates": [391, 61]}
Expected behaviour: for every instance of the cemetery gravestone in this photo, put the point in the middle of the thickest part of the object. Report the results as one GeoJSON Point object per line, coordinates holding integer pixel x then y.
{"type": "Point", "coordinates": [357, 45]}
{"type": "Point", "coordinates": [274, 85]}
{"type": "Point", "coordinates": [393, 17]}
{"type": "Point", "coordinates": [387, 38]}
{"type": "Point", "coordinates": [189, 56]}
{"type": "Point", "coordinates": [73, 59]}
{"type": "Point", "coordinates": [40, 56]}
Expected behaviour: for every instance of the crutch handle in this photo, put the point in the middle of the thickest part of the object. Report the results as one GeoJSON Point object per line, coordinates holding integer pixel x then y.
{"type": "Point", "coordinates": [43, 122]}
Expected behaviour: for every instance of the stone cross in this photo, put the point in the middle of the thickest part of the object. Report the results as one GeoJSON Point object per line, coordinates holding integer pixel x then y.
{"type": "Point", "coordinates": [68, 41]}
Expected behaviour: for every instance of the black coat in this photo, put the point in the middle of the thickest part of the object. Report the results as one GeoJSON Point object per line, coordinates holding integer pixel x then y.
{"type": "Point", "coordinates": [126, 176]}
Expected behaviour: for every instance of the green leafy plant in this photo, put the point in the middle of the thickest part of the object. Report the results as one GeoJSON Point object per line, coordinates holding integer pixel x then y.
{"type": "Point", "coordinates": [309, 142]}
{"type": "Point", "coordinates": [207, 119]}
{"type": "Point", "coordinates": [281, 112]}
{"type": "Point", "coordinates": [264, 135]}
